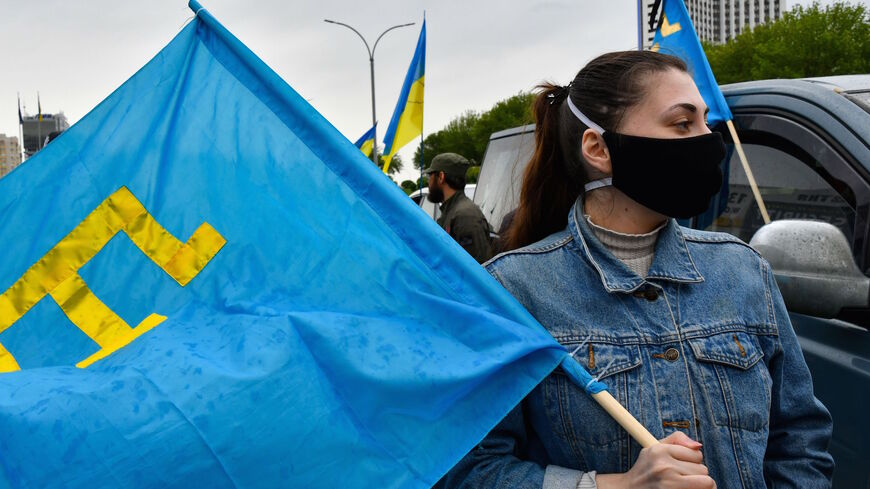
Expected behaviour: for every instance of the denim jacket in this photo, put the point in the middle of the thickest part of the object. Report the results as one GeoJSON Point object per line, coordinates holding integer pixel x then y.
{"type": "Point", "coordinates": [702, 345]}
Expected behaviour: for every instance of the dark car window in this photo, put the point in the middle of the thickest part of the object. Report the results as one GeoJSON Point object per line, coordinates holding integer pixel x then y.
{"type": "Point", "coordinates": [791, 186]}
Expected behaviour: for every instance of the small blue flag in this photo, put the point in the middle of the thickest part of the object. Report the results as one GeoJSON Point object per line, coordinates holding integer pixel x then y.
{"type": "Point", "coordinates": [367, 141]}
{"type": "Point", "coordinates": [676, 36]}
{"type": "Point", "coordinates": [205, 284]}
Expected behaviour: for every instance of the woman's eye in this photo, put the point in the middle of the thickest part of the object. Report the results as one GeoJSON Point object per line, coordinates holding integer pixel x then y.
{"type": "Point", "coordinates": [684, 125]}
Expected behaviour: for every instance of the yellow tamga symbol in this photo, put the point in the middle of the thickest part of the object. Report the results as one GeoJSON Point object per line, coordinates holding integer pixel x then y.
{"type": "Point", "coordinates": [56, 273]}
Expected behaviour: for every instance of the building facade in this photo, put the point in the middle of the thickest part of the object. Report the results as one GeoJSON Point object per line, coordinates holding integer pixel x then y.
{"type": "Point", "coordinates": [36, 132]}
{"type": "Point", "coordinates": [10, 154]}
{"type": "Point", "coordinates": [717, 21]}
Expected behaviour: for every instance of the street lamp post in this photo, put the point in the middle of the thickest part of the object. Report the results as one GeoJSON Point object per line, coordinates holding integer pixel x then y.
{"type": "Point", "coordinates": [372, 67]}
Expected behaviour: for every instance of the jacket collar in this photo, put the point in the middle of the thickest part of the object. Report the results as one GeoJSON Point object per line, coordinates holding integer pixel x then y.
{"type": "Point", "coordinates": [452, 201]}
{"type": "Point", "coordinates": [672, 261]}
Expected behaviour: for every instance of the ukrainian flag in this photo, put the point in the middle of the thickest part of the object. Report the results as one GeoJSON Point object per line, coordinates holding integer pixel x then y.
{"type": "Point", "coordinates": [676, 36]}
{"type": "Point", "coordinates": [407, 121]}
{"type": "Point", "coordinates": [367, 141]}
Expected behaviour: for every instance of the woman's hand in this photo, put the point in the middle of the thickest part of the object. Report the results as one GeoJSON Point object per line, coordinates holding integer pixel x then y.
{"type": "Point", "coordinates": [674, 463]}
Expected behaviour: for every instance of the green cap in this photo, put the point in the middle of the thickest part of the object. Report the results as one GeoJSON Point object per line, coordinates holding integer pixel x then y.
{"type": "Point", "coordinates": [450, 163]}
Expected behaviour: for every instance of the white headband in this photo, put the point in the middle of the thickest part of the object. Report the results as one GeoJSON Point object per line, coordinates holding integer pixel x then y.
{"type": "Point", "coordinates": [582, 117]}
{"type": "Point", "coordinates": [603, 182]}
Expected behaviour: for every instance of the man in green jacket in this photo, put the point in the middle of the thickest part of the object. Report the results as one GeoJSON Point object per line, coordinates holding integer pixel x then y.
{"type": "Point", "coordinates": [460, 217]}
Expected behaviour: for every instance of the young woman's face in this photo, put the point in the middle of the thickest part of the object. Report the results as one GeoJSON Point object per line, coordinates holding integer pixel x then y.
{"type": "Point", "coordinates": [672, 108]}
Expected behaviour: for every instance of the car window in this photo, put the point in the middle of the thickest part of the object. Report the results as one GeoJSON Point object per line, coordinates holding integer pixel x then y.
{"type": "Point", "coordinates": [498, 187]}
{"type": "Point", "coordinates": [861, 98]}
{"type": "Point", "coordinates": [792, 185]}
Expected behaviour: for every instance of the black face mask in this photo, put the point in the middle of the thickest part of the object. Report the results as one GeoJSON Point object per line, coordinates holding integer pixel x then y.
{"type": "Point", "coordinates": [674, 177]}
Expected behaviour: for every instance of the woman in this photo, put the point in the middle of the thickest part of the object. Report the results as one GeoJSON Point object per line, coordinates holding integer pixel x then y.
{"type": "Point", "coordinates": [687, 328]}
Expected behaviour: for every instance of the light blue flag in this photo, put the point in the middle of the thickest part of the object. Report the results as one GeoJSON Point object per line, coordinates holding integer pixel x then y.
{"type": "Point", "coordinates": [206, 285]}
{"type": "Point", "coordinates": [676, 36]}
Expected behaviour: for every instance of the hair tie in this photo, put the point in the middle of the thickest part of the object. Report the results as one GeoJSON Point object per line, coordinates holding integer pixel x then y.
{"type": "Point", "coordinates": [559, 94]}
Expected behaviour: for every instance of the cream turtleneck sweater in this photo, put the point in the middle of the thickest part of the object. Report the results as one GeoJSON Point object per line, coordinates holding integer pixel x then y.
{"type": "Point", "coordinates": [635, 250]}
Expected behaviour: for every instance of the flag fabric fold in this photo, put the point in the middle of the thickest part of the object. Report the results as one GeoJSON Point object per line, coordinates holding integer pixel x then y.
{"type": "Point", "coordinates": [366, 142]}
{"type": "Point", "coordinates": [407, 121]}
{"type": "Point", "coordinates": [206, 285]}
{"type": "Point", "coordinates": [676, 36]}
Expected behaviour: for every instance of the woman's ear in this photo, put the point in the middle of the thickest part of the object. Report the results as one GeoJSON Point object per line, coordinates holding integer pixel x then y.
{"type": "Point", "coordinates": [595, 151]}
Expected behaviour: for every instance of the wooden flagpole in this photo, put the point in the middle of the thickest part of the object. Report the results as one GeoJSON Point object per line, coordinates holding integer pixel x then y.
{"type": "Point", "coordinates": [628, 422]}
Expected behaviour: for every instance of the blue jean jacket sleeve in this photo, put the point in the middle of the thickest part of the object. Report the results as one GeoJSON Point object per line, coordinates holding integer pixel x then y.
{"type": "Point", "coordinates": [494, 461]}
{"type": "Point", "coordinates": [797, 451]}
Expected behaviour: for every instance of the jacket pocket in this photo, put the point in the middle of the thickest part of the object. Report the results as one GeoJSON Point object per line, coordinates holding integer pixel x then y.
{"type": "Point", "coordinates": [736, 382]}
{"type": "Point", "coordinates": [579, 421]}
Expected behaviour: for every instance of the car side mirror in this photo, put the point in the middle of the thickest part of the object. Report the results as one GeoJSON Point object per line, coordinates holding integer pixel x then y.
{"type": "Point", "coordinates": [813, 266]}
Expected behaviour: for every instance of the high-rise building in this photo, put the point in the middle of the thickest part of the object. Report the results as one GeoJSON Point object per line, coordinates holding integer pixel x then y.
{"type": "Point", "coordinates": [717, 21]}
{"type": "Point", "coordinates": [36, 131]}
{"type": "Point", "coordinates": [10, 154]}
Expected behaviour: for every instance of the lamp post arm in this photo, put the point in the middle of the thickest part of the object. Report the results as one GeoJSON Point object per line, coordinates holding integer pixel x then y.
{"type": "Point", "coordinates": [386, 31]}
{"type": "Point", "coordinates": [369, 50]}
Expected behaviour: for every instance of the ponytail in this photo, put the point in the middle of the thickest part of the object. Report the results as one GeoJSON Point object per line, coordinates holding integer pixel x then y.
{"type": "Point", "coordinates": [548, 191]}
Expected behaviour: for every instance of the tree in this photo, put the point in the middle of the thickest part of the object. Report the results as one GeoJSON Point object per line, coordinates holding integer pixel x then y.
{"type": "Point", "coordinates": [468, 134]}
{"type": "Point", "coordinates": [457, 137]}
{"type": "Point", "coordinates": [473, 174]}
{"type": "Point", "coordinates": [409, 186]}
{"type": "Point", "coordinates": [806, 42]}
{"type": "Point", "coordinates": [395, 164]}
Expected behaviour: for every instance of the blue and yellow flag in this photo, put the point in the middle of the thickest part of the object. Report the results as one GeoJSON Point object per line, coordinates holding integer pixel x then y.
{"type": "Point", "coordinates": [367, 141]}
{"type": "Point", "coordinates": [205, 284]}
{"type": "Point", "coordinates": [676, 36]}
{"type": "Point", "coordinates": [407, 121]}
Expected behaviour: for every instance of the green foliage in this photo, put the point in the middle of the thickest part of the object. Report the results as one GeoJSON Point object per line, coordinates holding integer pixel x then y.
{"type": "Point", "coordinates": [472, 174]}
{"type": "Point", "coordinates": [806, 42]}
{"type": "Point", "coordinates": [409, 186]}
{"type": "Point", "coordinates": [468, 134]}
{"type": "Point", "coordinates": [395, 164]}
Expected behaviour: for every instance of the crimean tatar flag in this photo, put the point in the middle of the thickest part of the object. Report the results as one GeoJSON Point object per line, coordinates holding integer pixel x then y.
{"type": "Point", "coordinates": [407, 121]}
{"type": "Point", "coordinates": [366, 142]}
{"type": "Point", "coordinates": [205, 284]}
{"type": "Point", "coordinates": [676, 36]}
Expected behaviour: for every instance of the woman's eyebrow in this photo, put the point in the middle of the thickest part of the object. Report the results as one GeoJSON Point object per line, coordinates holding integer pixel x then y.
{"type": "Point", "coordinates": [687, 106]}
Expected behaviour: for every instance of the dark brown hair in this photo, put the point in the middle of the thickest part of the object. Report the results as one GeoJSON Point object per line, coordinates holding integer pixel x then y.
{"type": "Point", "coordinates": [555, 176]}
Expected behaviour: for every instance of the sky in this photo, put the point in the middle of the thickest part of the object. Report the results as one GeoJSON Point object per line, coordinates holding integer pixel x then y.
{"type": "Point", "coordinates": [75, 53]}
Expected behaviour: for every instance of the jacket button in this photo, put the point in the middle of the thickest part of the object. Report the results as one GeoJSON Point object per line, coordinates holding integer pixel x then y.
{"type": "Point", "coordinates": [650, 294]}
{"type": "Point", "coordinates": [672, 354]}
